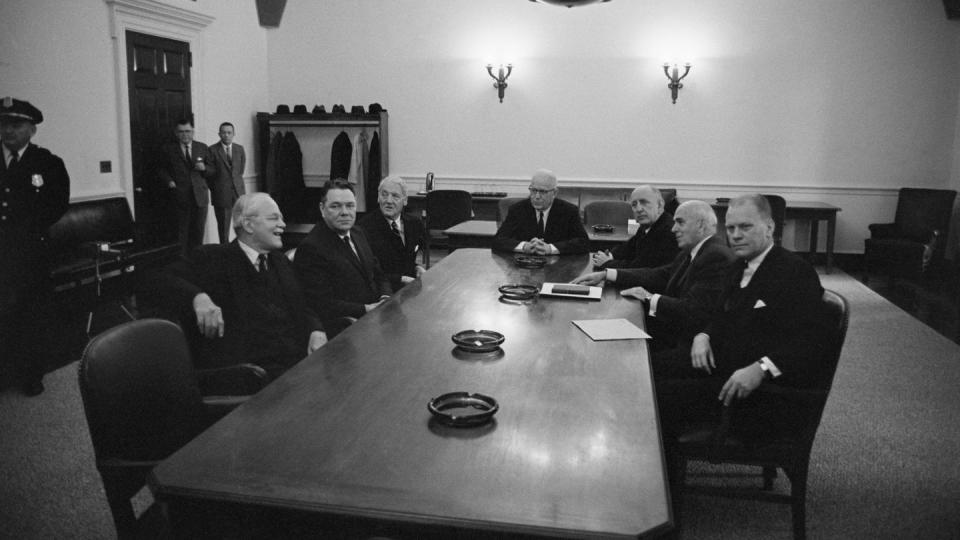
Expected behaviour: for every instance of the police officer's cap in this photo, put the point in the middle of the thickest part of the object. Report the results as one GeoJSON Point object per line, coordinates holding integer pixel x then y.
{"type": "Point", "coordinates": [15, 109]}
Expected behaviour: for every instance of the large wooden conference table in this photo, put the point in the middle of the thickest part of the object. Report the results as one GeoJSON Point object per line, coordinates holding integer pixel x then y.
{"type": "Point", "coordinates": [344, 442]}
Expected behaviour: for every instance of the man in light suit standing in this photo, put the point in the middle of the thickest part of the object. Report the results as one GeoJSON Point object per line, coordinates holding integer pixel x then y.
{"type": "Point", "coordinates": [226, 185]}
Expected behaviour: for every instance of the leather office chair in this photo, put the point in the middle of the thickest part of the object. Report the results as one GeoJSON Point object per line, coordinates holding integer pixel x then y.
{"type": "Point", "coordinates": [717, 444]}
{"type": "Point", "coordinates": [915, 241]}
{"type": "Point", "coordinates": [670, 201]}
{"type": "Point", "coordinates": [444, 209]}
{"type": "Point", "coordinates": [143, 401]}
{"type": "Point", "coordinates": [778, 210]}
{"type": "Point", "coordinates": [607, 212]}
{"type": "Point", "coordinates": [503, 207]}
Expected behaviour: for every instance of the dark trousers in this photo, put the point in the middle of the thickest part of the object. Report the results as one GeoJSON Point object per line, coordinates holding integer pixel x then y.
{"type": "Point", "coordinates": [224, 223]}
{"type": "Point", "coordinates": [191, 222]}
{"type": "Point", "coordinates": [21, 332]}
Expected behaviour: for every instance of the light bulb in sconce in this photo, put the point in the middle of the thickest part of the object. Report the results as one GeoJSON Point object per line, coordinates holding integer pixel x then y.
{"type": "Point", "coordinates": [675, 78]}
{"type": "Point", "coordinates": [500, 78]}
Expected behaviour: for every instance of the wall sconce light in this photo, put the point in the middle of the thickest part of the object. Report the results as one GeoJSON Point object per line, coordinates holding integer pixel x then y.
{"type": "Point", "coordinates": [675, 85]}
{"type": "Point", "coordinates": [500, 78]}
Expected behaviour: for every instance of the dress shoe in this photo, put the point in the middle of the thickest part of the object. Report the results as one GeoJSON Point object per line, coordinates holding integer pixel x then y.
{"type": "Point", "coordinates": [33, 387]}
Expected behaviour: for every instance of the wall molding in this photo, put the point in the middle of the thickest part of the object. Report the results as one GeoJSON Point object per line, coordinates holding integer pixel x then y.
{"type": "Point", "coordinates": [162, 20]}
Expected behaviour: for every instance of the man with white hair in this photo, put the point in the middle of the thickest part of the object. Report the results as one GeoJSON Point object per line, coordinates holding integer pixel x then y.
{"type": "Point", "coordinates": [542, 224]}
{"type": "Point", "coordinates": [395, 237]}
{"type": "Point", "coordinates": [248, 303]}
{"type": "Point", "coordinates": [680, 297]}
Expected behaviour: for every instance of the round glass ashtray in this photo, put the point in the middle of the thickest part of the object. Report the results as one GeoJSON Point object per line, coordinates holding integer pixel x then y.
{"type": "Point", "coordinates": [478, 340]}
{"type": "Point", "coordinates": [463, 409]}
{"type": "Point", "coordinates": [518, 291]}
{"type": "Point", "coordinates": [530, 261]}
{"type": "Point", "coordinates": [603, 228]}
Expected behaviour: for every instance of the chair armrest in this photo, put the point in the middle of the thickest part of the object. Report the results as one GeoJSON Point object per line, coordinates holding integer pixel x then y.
{"type": "Point", "coordinates": [118, 463]}
{"type": "Point", "coordinates": [216, 407]}
{"type": "Point", "coordinates": [238, 380]}
{"type": "Point", "coordinates": [882, 230]}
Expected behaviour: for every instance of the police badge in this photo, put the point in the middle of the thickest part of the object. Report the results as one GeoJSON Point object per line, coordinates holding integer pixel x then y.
{"type": "Point", "coordinates": [37, 180]}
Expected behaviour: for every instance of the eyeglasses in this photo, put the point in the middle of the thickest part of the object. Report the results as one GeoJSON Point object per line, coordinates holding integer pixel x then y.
{"type": "Point", "coordinates": [541, 192]}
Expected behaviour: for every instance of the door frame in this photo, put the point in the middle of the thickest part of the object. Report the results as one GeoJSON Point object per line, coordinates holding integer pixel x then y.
{"type": "Point", "coordinates": [161, 20]}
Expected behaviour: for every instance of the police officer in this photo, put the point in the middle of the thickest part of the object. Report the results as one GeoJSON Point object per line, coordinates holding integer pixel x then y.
{"type": "Point", "coordinates": [34, 193]}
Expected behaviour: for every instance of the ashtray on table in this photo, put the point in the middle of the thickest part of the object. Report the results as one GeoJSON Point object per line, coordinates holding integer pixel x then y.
{"type": "Point", "coordinates": [463, 409]}
{"type": "Point", "coordinates": [530, 261]}
{"type": "Point", "coordinates": [603, 228]}
{"type": "Point", "coordinates": [478, 340]}
{"type": "Point", "coordinates": [517, 291]}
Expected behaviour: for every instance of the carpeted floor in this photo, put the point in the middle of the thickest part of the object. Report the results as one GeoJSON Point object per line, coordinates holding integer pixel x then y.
{"type": "Point", "coordinates": [885, 464]}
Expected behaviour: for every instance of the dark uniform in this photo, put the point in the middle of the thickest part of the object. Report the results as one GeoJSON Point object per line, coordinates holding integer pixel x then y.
{"type": "Point", "coordinates": [34, 193]}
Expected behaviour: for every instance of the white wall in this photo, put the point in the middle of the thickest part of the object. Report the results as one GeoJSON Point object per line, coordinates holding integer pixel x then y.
{"type": "Point", "coordinates": [60, 56]}
{"type": "Point", "coordinates": [835, 100]}
{"type": "Point", "coordinates": [842, 101]}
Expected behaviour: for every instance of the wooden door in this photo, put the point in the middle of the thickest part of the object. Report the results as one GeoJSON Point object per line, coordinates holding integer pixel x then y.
{"type": "Point", "coordinates": [158, 76]}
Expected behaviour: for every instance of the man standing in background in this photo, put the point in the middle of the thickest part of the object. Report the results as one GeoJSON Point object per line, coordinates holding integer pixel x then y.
{"type": "Point", "coordinates": [229, 162]}
{"type": "Point", "coordinates": [34, 193]}
{"type": "Point", "coordinates": [184, 168]}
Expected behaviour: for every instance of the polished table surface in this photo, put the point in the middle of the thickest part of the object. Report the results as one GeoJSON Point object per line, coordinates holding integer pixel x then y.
{"type": "Point", "coordinates": [574, 451]}
{"type": "Point", "coordinates": [479, 233]}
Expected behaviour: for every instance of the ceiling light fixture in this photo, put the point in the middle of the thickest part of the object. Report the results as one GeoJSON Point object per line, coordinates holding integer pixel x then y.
{"type": "Point", "coordinates": [569, 3]}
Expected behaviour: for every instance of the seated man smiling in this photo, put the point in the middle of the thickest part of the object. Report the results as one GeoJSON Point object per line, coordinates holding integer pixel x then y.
{"type": "Point", "coordinates": [248, 303]}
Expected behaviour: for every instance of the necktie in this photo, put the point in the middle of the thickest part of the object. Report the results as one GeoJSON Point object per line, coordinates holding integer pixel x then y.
{"type": "Point", "coordinates": [262, 262]}
{"type": "Point", "coordinates": [679, 277]}
{"type": "Point", "coordinates": [228, 151]}
{"type": "Point", "coordinates": [346, 242]}
{"type": "Point", "coordinates": [540, 225]}
{"type": "Point", "coordinates": [186, 152]}
{"type": "Point", "coordinates": [396, 230]}
{"type": "Point", "coordinates": [13, 160]}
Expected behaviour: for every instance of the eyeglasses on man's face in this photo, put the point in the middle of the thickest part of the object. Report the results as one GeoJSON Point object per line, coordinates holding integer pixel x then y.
{"type": "Point", "coordinates": [540, 192]}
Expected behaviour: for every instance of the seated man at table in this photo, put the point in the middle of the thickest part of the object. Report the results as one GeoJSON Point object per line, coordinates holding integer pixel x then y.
{"type": "Point", "coordinates": [542, 224]}
{"type": "Point", "coordinates": [653, 245]}
{"type": "Point", "coordinates": [339, 272]}
{"type": "Point", "coordinates": [395, 237]}
{"type": "Point", "coordinates": [680, 296]}
{"type": "Point", "coordinates": [248, 303]}
{"type": "Point", "coordinates": [766, 332]}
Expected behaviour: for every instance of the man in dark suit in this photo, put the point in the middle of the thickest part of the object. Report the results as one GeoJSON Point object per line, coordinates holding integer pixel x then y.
{"type": "Point", "coordinates": [682, 296]}
{"type": "Point", "coordinates": [248, 303]}
{"type": "Point", "coordinates": [34, 193]}
{"type": "Point", "coordinates": [184, 167]}
{"type": "Point", "coordinates": [767, 331]}
{"type": "Point", "coordinates": [653, 245]}
{"type": "Point", "coordinates": [542, 224]}
{"type": "Point", "coordinates": [229, 161]}
{"type": "Point", "coordinates": [339, 272]}
{"type": "Point", "coordinates": [395, 237]}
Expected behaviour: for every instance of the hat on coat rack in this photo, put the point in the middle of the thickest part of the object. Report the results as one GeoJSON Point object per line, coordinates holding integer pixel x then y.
{"type": "Point", "coordinates": [339, 109]}
{"type": "Point", "coordinates": [375, 108]}
{"type": "Point", "coordinates": [299, 109]}
{"type": "Point", "coordinates": [319, 109]}
{"type": "Point", "coordinates": [357, 109]}
{"type": "Point", "coordinates": [283, 109]}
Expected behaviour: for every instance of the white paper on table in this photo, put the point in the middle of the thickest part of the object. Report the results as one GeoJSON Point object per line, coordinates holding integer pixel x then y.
{"type": "Point", "coordinates": [610, 329]}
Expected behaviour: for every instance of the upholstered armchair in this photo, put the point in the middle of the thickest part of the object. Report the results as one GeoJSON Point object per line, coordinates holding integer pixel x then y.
{"type": "Point", "coordinates": [915, 241]}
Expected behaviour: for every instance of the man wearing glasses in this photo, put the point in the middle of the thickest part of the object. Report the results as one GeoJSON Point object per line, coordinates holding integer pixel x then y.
{"type": "Point", "coordinates": [542, 224]}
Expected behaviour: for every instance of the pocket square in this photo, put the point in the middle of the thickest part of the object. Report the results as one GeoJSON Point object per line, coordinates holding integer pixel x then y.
{"type": "Point", "coordinates": [759, 304]}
